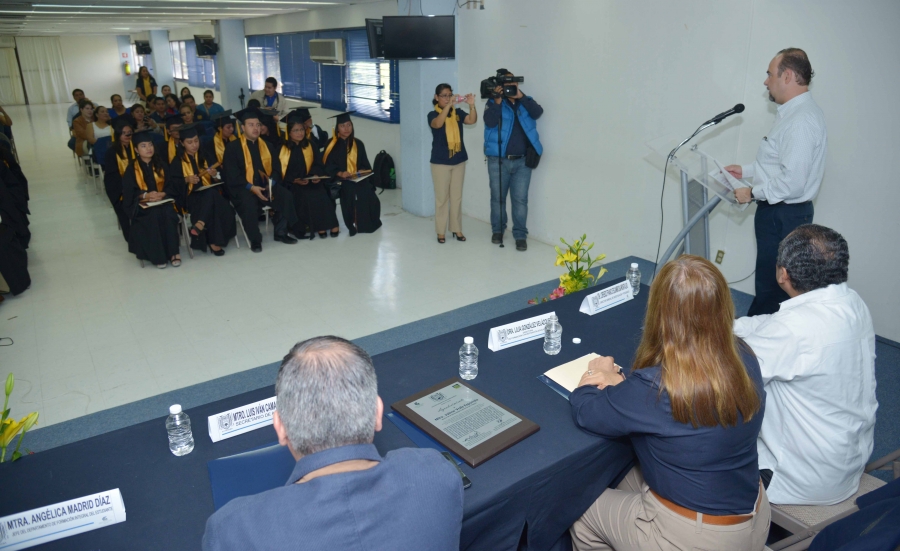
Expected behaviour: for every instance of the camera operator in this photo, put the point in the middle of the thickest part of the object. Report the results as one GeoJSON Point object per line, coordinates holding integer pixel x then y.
{"type": "Point", "coordinates": [511, 115]}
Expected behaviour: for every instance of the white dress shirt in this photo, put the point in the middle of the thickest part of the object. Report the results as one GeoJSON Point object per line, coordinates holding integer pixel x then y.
{"type": "Point", "coordinates": [817, 356]}
{"type": "Point", "coordinates": [790, 161]}
{"type": "Point", "coordinates": [70, 114]}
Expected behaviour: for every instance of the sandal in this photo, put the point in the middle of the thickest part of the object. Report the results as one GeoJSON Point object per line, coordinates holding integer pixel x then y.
{"type": "Point", "coordinates": [335, 233]}
{"type": "Point", "coordinates": [459, 237]}
{"type": "Point", "coordinates": [176, 262]}
{"type": "Point", "coordinates": [441, 239]}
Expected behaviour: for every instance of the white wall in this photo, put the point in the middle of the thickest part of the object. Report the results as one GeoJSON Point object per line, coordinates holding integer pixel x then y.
{"type": "Point", "coordinates": [92, 64]}
{"type": "Point", "coordinates": [613, 75]}
{"type": "Point", "coordinates": [187, 33]}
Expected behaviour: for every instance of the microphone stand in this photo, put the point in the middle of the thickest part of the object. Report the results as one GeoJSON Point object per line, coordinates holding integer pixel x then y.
{"type": "Point", "coordinates": [501, 204]}
{"type": "Point", "coordinates": [241, 97]}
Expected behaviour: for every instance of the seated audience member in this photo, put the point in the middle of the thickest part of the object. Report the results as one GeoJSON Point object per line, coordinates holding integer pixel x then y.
{"type": "Point", "coordinates": [166, 90]}
{"type": "Point", "coordinates": [173, 139]}
{"type": "Point", "coordinates": [214, 149]}
{"type": "Point", "coordinates": [189, 100]}
{"type": "Point", "coordinates": [208, 108]}
{"type": "Point", "coordinates": [187, 113]}
{"type": "Point", "coordinates": [172, 104]}
{"type": "Point", "coordinates": [345, 158]}
{"type": "Point", "coordinates": [249, 164]}
{"type": "Point", "coordinates": [83, 128]}
{"type": "Point", "coordinates": [211, 214]}
{"type": "Point", "coordinates": [118, 108]}
{"type": "Point", "coordinates": [299, 160]}
{"type": "Point", "coordinates": [153, 231]}
{"type": "Point", "coordinates": [185, 91]}
{"type": "Point", "coordinates": [77, 95]}
{"type": "Point", "coordinates": [145, 85]}
{"type": "Point", "coordinates": [102, 123]}
{"type": "Point", "coordinates": [118, 158]}
{"type": "Point", "coordinates": [817, 355]}
{"type": "Point", "coordinates": [314, 132]}
{"type": "Point", "coordinates": [159, 110]}
{"type": "Point", "coordinates": [269, 97]}
{"type": "Point", "coordinates": [692, 407]}
{"type": "Point", "coordinates": [141, 120]}
{"type": "Point", "coordinates": [342, 493]}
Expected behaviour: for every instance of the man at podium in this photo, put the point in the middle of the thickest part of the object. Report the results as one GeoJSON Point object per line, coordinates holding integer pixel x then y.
{"type": "Point", "coordinates": [787, 171]}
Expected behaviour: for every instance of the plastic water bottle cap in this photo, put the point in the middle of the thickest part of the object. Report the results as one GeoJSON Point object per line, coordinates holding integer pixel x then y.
{"type": "Point", "coordinates": [175, 410]}
{"type": "Point", "coordinates": [468, 340]}
{"type": "Point", "coordinates": [634, 265]}
{"type": "Point", "coordinates": [576, 340]}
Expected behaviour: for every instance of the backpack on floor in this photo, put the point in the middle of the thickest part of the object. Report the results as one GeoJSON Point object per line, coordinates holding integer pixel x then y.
{"type": "Point", "coordinates": [383, 173]}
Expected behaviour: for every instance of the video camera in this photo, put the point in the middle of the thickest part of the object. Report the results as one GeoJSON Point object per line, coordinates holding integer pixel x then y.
{"type": "Point", "coordinates": [501, 79]}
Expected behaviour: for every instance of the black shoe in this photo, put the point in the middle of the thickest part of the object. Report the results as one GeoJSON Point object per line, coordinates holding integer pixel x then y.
{"type": "Point", "coordinates": [335, 233]}
{"type": "Point", "coordinates": [521, 245]}
{"type": "Point", "coordinates": [256, 247]}
{"type": "Point", "coordinates": [220, 252]}
{"type": "Point", "coordinates": [353, 231]}
{"type": "Point", "coordinates": [286, 239]}
{"type": "Point", "coordinates": [497, 238]}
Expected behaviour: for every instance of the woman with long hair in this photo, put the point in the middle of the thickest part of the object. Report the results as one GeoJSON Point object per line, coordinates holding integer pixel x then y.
{"type": "Point", "coordinates": [692, 407]}
{"type": "Point", "coordinates": [214, 150]}
{"type": "Point", "coordinates": [209, 108]}
{"type": "Point", "coordinates": [299, 161]}
{"type": "Point", "coordinates": [118, 107]}
{"type": "Point", "coordinates": [83, 127]}
{"type": "Point", "coordinates": [185, 91]}
{"type": "Point", "coordinates": [165, 90]}
{"type": "Point", "coordinates": [146, 84]}
{"type": "Point", "coordinates": [153, 235]}
{"type": "Point", "coordinates": [448, 159]}
{"type": "Point", "coordinates": [172, 104]}
{"type": "Point", "coordinates": [118, 157]}
{"type": "Point", "coordinates": [141, 120]}
{"type": "Point", "coordinates": [345, 159]}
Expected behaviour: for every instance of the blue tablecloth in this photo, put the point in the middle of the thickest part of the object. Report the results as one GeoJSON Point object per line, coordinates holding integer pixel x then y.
{"type": "Point", "coordinates": [526, 497]}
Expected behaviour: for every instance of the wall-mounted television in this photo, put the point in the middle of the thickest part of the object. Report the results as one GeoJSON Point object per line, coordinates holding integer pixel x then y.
{"type": "Point", "coordinates": [142, 47]}
{"type": "Point", "coordinates": [375, 37]}
{"type": "Point", "coordinates": [419, 37]}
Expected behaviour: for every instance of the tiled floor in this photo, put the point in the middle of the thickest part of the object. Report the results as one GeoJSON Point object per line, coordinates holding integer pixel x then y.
{"type": "Point", "coordinates": [96, 331]}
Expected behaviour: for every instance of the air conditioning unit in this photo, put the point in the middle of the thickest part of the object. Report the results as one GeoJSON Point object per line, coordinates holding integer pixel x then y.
{"type": "Point", "coordinates": [7, 42]}
{"type": "Point", "coordinates": [327, 51]}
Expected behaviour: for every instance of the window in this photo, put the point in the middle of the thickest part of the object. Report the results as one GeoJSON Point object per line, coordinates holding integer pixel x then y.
{"type": "Point", "coordinates": [179, 60]}
{"type": "Point", "coordinates": [196, 71]}
{"type": "Point", "coordinates": [368, 86]}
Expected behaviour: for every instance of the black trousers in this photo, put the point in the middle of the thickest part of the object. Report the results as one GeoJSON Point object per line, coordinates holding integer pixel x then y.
{"type": "Point", "coordinates": [248, 207]}
{"type": "Point", "coordinates": [772, 224]}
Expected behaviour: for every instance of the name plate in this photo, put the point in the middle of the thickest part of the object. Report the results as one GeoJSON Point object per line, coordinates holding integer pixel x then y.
{"type": "Point", "coordinates": [516, 333]}
{"type": "Point", "coordinates": [61, 520]}
{"type": "Point", "coordinates": [605, 299]}
{"type": "Point", "coordinates": [240, 420]}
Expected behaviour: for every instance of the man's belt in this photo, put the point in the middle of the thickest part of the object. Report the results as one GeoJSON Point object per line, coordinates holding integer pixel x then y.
{"type": "Point", "coordinates": [513, 157]}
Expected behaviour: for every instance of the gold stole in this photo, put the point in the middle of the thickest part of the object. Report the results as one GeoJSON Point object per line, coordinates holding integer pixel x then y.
{"type": "Point", "coordinates": [188, 170]}
{"type": "Point", "coordinates": [157, 174]}
{"type": "Point", "coordinates": [123, 161]}
{"type": "Point", "coordinates": [264, 155]}
{"type": "Point", "coordinates": [451, 127]}
{"type": "Point", "coordinates": [172, 149]}
{"type": "Point", "coordinates": [220, 145]}
{"type": "Point", "coordinates": [285, 156]}
{"type": "Point", "coordinates": [351, 155]}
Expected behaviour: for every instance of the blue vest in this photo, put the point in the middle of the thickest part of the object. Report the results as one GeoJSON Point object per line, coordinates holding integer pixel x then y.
{"type": "Point", "coordinates": [528, 125]}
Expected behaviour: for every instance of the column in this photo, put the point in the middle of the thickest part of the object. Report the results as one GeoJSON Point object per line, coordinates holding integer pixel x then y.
{"type": "Point", "coordinates": [162, 60]}
{"type": "Point", "coordinates": [231, 62]}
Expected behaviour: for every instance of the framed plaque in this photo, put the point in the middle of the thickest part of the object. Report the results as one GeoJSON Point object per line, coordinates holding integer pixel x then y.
{"type": "Point", "coordinates": [465, 421]}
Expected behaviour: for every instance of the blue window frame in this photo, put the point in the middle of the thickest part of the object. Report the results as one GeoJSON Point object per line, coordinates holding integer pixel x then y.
{"type": "Point", "coordinates": [196, 71]}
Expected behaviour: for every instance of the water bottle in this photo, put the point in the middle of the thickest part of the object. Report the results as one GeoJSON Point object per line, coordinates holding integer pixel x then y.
{"type": "Point", "coordinates": [634, 277]}
{"type": "Point", "coordinates": [552, 336]}
{"type": "Point", "coordinates": [178, 425]}
{"type": "Point", "coordinates": [468, 359]}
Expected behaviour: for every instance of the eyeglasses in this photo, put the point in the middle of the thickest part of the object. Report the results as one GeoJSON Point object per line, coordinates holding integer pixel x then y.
{"type": "Point", "coordinates": [445, 96]}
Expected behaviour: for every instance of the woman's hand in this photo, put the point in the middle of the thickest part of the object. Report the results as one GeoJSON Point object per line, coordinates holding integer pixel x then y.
{"type": "Point", "coordinates": [345, 175]}
{"type": "Point", "coordinates": [470, 99]}
{"type": "Point", "coordinates": [301, 181]}
{"type": "Point", "coordinates": [212, 172]}
{"type": "Point", "coordinates": [193, 179]}
{"type": "Point", "coordinates": [605, 364]}
{"type": "Point", "coordinates": [600, 379]}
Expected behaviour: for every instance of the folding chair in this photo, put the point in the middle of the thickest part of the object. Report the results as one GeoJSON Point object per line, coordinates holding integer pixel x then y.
{"type": "Point", "coordinates": [98, 155]}
{"type": "Point", "coordinates": [805, 521]}
{"type": "Point", "coordinates": [185, 232]}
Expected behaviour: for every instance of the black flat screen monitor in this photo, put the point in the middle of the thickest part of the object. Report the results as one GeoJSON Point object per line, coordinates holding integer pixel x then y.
{"type": "Point", "coordinates": [419, 37]}
{"type": "Point", "coordinates": [375, 38]}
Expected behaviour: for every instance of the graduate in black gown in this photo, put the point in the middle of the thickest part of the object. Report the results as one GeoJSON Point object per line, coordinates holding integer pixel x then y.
{"type": "Point", "coordinates": [299, 160]}
{"type": "Point", "coordinates": [212, 217]}
{"type": "Point", "coordinates": [14, 233]}
{"type": "Point", "coordinates": [14, 205]}
{"type": "Point", "coordinates": [118, 157]}
{"type": "Point", "coordinates": [153, 235]}
{"type": "Point", "coordinates": [173, 140]}
{"type": "Point", "coordinates": [345, 158]}
{"type": "Point", "coordinates": [214, 150]}
{"type": "Point", "coordinates": [249, 163]}
{"type": "Point", "coordinates": [8, 159]}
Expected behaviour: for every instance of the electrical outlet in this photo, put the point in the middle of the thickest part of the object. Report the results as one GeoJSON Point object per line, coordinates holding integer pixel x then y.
{"type": "Point", "coordinates": [719, 256]}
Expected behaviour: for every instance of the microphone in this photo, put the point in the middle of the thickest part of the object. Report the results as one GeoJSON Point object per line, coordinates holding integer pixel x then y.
{"type": "Point", "coordinates": [739, 108]}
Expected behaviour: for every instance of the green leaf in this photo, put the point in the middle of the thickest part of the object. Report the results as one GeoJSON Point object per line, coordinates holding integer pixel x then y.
{"type": "Point", "coordinates": [591, 246]}
{"type": "Point", "coordinates": [5, 414]}
{"type": "Point", "coordinates": [16, 455]}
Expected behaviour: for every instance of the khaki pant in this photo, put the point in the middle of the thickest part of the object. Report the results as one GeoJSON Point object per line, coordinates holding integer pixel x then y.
{"type": "Point", "coordinates": [631, 518]}
{"type": "Point", "coordinates": [448, 186]}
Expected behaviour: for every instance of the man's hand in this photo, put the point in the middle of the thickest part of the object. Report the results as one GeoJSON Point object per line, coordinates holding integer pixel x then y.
{"type": "Point", "coordinates": [345, 175]}
{"type": "Point", "coordinates": [212, 172]}
{"type": "Point", "coordinates": [154, 196]}
{"type": "Point", "coordinates": [301, 181]}
{"type": "Point", "coordinates": [735, 170]}
{"type": "Point", "coordinates": [258, 191]}
{"type": "Point", "coordinates": [193, 179]}
{"type": "Point", "coordinates": [743, 195]}
{"type": "Point", "coordinates": [519, 93]}
{"type": "Point", "coordinates": [499, 98]}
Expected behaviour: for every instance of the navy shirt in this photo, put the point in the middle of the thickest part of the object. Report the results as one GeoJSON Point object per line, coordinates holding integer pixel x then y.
{"type": "Point", "coordinates": [440, 150]}
{"type": "Point", "coordinates": [712, 470]}
{"type": "Point", "coordinates": [518, 141]}
{"type": "Point", "coordinates": [413, 499]}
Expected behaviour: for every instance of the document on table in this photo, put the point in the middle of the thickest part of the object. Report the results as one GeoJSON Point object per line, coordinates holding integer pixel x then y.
{"type": "Point", "coordinates": [568, 375]}
{"type": "Point", "coordinates": [462, 414]}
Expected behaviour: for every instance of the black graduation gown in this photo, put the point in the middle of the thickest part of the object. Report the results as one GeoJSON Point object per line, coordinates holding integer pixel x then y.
{"type": "Point", "coordinates": [112, 180]}
{"type": "Point", "coordinates": [13, 207]}
{"type": "Point", "coordinates": [359, 203]}
{"type": "Point", "coordinates": [13, 259]}
{"type": "Point", "coordinates": [153, 235]}
{"type": "Point", "coordinates": [207, 206]}
{"type": "Point", "coordinates": [246, 204]}
{"type": "Point", "coordinates": [319, 138]}
{"type": "Point", "coordinates": [10, 161]}
{"type": "Point", "coordinates": [315, 209]}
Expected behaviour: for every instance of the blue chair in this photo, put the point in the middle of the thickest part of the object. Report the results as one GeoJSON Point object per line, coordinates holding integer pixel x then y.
{"type": "Point", "coordinates": [209, 128]}
{"type": "Point", "coordinates": [98, 155]}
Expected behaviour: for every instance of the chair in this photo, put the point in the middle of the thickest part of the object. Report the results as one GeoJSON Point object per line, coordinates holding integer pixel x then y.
{"type": "Point", "coordinates": [185, 231]}
{"type": "Point", "coordinates": [98, 154]}
{"type": "Point", "coordinates": [805, 521]}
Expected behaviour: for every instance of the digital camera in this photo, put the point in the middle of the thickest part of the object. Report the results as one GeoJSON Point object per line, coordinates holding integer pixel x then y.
{"type": "Point", "coordinates": [503, 79]}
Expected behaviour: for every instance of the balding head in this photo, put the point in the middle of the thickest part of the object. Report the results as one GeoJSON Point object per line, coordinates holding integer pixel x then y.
{"type": "Point", "coordinates": [327, 395]}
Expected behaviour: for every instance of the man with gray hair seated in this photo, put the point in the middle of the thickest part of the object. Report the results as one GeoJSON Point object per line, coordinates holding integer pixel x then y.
{"type": "Point", "coordinates": [342, 494]}
{"type": "Point", "coordinates": [817, 356]}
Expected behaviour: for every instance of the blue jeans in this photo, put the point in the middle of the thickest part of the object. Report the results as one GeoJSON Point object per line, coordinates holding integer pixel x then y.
{"type": "Point", "coordinates": [515, 179]}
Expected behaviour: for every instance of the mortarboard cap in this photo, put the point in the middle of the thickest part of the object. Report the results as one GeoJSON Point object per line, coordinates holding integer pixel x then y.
{"type": "Point", "coordinates": [189, 130]}
{"type": "Point", "coordinates": [249, 113]}
{"type": "Point", "coordinates": [299, 115]}
{"type": "Point", "coordinates": [221, 119]}
{"type": "Point", "coordinates": [140, 136]}
{"type": "Point", "coordinates": [342, 117]}
{"type": "Point", "coordinates": [174, 119]}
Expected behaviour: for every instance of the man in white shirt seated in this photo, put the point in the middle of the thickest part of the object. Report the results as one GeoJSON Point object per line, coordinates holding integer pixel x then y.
{"type": "Point", "coordinates": [817, 356]}
{"type": "Point", "coordinates": [77, 95]}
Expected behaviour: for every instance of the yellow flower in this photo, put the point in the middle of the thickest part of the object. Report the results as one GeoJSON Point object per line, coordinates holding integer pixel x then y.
{"type": "Point", "coordinates": [10, 430]}
{"type": "Point", "coordinates": [29, 421]}
{"type": "Point", "coordinates": [569, 257]}
{"type": "Point", "coordinates": [559, 260]}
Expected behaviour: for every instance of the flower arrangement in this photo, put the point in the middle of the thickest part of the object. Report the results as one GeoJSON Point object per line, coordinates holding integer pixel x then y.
{"type": "Point", "coordinates": [9, 428]}
{"type": "Point", "coordinates": [578, 262]}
